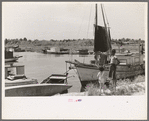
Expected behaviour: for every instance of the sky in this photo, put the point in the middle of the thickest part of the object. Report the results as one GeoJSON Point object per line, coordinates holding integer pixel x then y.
{"type": "Point", "coordinates": [65, 20]}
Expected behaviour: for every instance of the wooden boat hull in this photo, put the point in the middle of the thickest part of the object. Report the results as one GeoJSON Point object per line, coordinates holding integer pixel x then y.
{"type": "Point", "coordinates": [14, 59]}
{"type": "Point", "coordinates": [36, 90]}
{"type": "Point", "coordinates": [57, 52]}
{"type": "Point", "coordinates": [87, 73]}
{"type": "Point", "coordinates": [90, 73]}
{"type": "Point", "coordinates": [11, 59]}
{"type": "Point", "coordinates": [18, 82]}
{"type": "Point", "coordinates": [83, 52]}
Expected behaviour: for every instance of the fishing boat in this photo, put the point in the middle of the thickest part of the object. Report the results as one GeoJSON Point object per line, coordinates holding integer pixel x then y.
{"type": "Point", "coordinates": [58, 79]}
{"type": "Point", "coordinates": [17, 84]}
{"type": "Point", "coordinates": [56, 50]}
{"type": "Point", "coordinates": [36, 90]}
{"type": "Point", "coordinates": [9, 56]}
{"type": "Point", "coordinates": [83, 52]}
{"type": "Point", "coordinates": [14, 59]}
{"type": "Point", "coordinates": [19, 50]}
{"type": "Point", "coordinates": [131, 64]}
{"type": "Point", "coordinates": [15, 75]}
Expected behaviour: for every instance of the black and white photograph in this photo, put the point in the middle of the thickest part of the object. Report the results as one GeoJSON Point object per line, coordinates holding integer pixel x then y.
{"type": "Point", "coordinates": [68, 55]}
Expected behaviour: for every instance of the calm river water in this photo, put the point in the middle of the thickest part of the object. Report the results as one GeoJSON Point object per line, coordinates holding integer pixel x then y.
{"type": "Point", "coordinates": [40, 66]}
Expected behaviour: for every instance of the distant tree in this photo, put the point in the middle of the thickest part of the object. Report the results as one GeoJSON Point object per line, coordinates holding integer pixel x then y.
{"type": "Point", "coordinates": [123, 39]}
{"type": "Point", "coordinates": [29, 41]}
{"type": "Point", "coordinates": [25, 39]}
{"type": "Point", "coordinates": [127, 40]}
{"type": "Point", "coordinates": [36, 40]}
{"type": "Point", "coordinates": [6, 41]}
{"type": "Point", "coordinates": [15, 41]}
{"type": "Point", "coordinates": [142, 41]}
{"type": "Point", "coordinates": [139, 40]}
{"type": "Point", "coordinates": [52, 40]}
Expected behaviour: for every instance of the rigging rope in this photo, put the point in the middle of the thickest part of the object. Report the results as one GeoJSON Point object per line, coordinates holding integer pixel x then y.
{"type": "Point", "coordinates": [88, 28]}
{"type": "Point", "coordinates": [106, 16]}
{"type": "Point", "coordinates": [89, 21]}
{"type": "Point", "coordinates": [107, 24]}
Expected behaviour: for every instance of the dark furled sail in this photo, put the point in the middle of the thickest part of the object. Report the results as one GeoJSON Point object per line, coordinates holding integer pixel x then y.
{"type": "Point", "coordinates": [109, 39]}
{"type": "Point", "coordinates": [101, 42]}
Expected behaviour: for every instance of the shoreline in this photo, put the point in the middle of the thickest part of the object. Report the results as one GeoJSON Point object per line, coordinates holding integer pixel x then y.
{"type": "Point", "coordinates": [134, 89]}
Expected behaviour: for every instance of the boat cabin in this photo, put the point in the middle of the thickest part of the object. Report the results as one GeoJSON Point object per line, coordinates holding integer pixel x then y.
{"type": "Point", "coordinates": [8, 54]}
{"type": "Point", "coordinates": [14, 76]}
{"type": "Point", "coordinates": [54, 49]}
{"type": "Point", "coordinates": [130, 59]}
{"type": "Point", "coordinates": [124, 58]}
{"type": "Point", "coordinates": [14, 70]}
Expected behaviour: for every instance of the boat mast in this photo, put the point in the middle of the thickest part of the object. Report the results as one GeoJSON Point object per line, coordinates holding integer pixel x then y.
{"type": "Point", "coordinates": [95, 27]}
{"type": "Point", "coordinates": [103, 17]}
{"type": "Point", "coordinates": [95, 22]}
{"type": "Point", "coordinates": [139, 52]}
{"type": "Point", "coordinates": [107, 28]}
{"type": "Point", "coordinates": [96, 16]}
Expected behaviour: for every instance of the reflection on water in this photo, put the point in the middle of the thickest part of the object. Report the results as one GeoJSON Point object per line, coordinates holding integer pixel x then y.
{"type": "Point", "coordinates": [40, 66]}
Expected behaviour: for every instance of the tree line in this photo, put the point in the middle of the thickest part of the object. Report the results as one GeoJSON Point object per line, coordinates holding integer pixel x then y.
{"type": "Point", "coordinates": [65, 42]}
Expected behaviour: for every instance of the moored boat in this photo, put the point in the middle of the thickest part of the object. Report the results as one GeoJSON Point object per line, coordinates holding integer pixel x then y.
{"type": "Point", "coordinates": [131, 64]}
{"type": "Point", "coordinates": [36, 89]}
{"type": "Point", "coordinates": [83, 52]}
{"type": "Point", "coordinates": [9, 56]}
{"type": "Point", "coordinates": [17, 84]}
{"type": "Point", "coordinates": [14, 59]}
{"type": "Point", "coordinates": [56, 50]}
{"type": "Point", "coordinates": [58, 79]}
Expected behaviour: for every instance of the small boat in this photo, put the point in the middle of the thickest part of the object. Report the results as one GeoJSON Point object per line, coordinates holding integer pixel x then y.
{"type": "Point", "coordinates": [131, 64]}
{"type": "Point", "coordinates": [19, 80]}
{"type": "Point", "coordinates": [9, 56]}
{"type": "Point", "coordinates": [36, 89]}
{"type": "Point", "coordinates": [56, 50]}
{"type": "Point", "coordinates": [11, 59]}
{"type": "Point", "coordinates": [14, 75]}
{"type": "Point", "coordinates": [14, 59]}
{"type": "Point", "coordinates": [57, 79]}
{"type": "Point", "coordinates": [19, 50]}
{"type": "Point", "coordinates": [75, 52]}
{"type": "Point", "coordinates": [17, 84]}
{"type": "Point", "coordinates": [64, 51]}
{"type": "Point", "coordinates": [44, 51]}
{"type": "Point", "coordinates": [83, 52]}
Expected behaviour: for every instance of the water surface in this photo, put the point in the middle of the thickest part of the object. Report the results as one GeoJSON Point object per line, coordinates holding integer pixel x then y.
{"type": "Point", "coordinates": [40, 66]}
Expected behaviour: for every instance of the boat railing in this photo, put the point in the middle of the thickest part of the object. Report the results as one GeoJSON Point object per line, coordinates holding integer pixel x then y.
{"type": "Point", "coordinates": [123, 61]}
